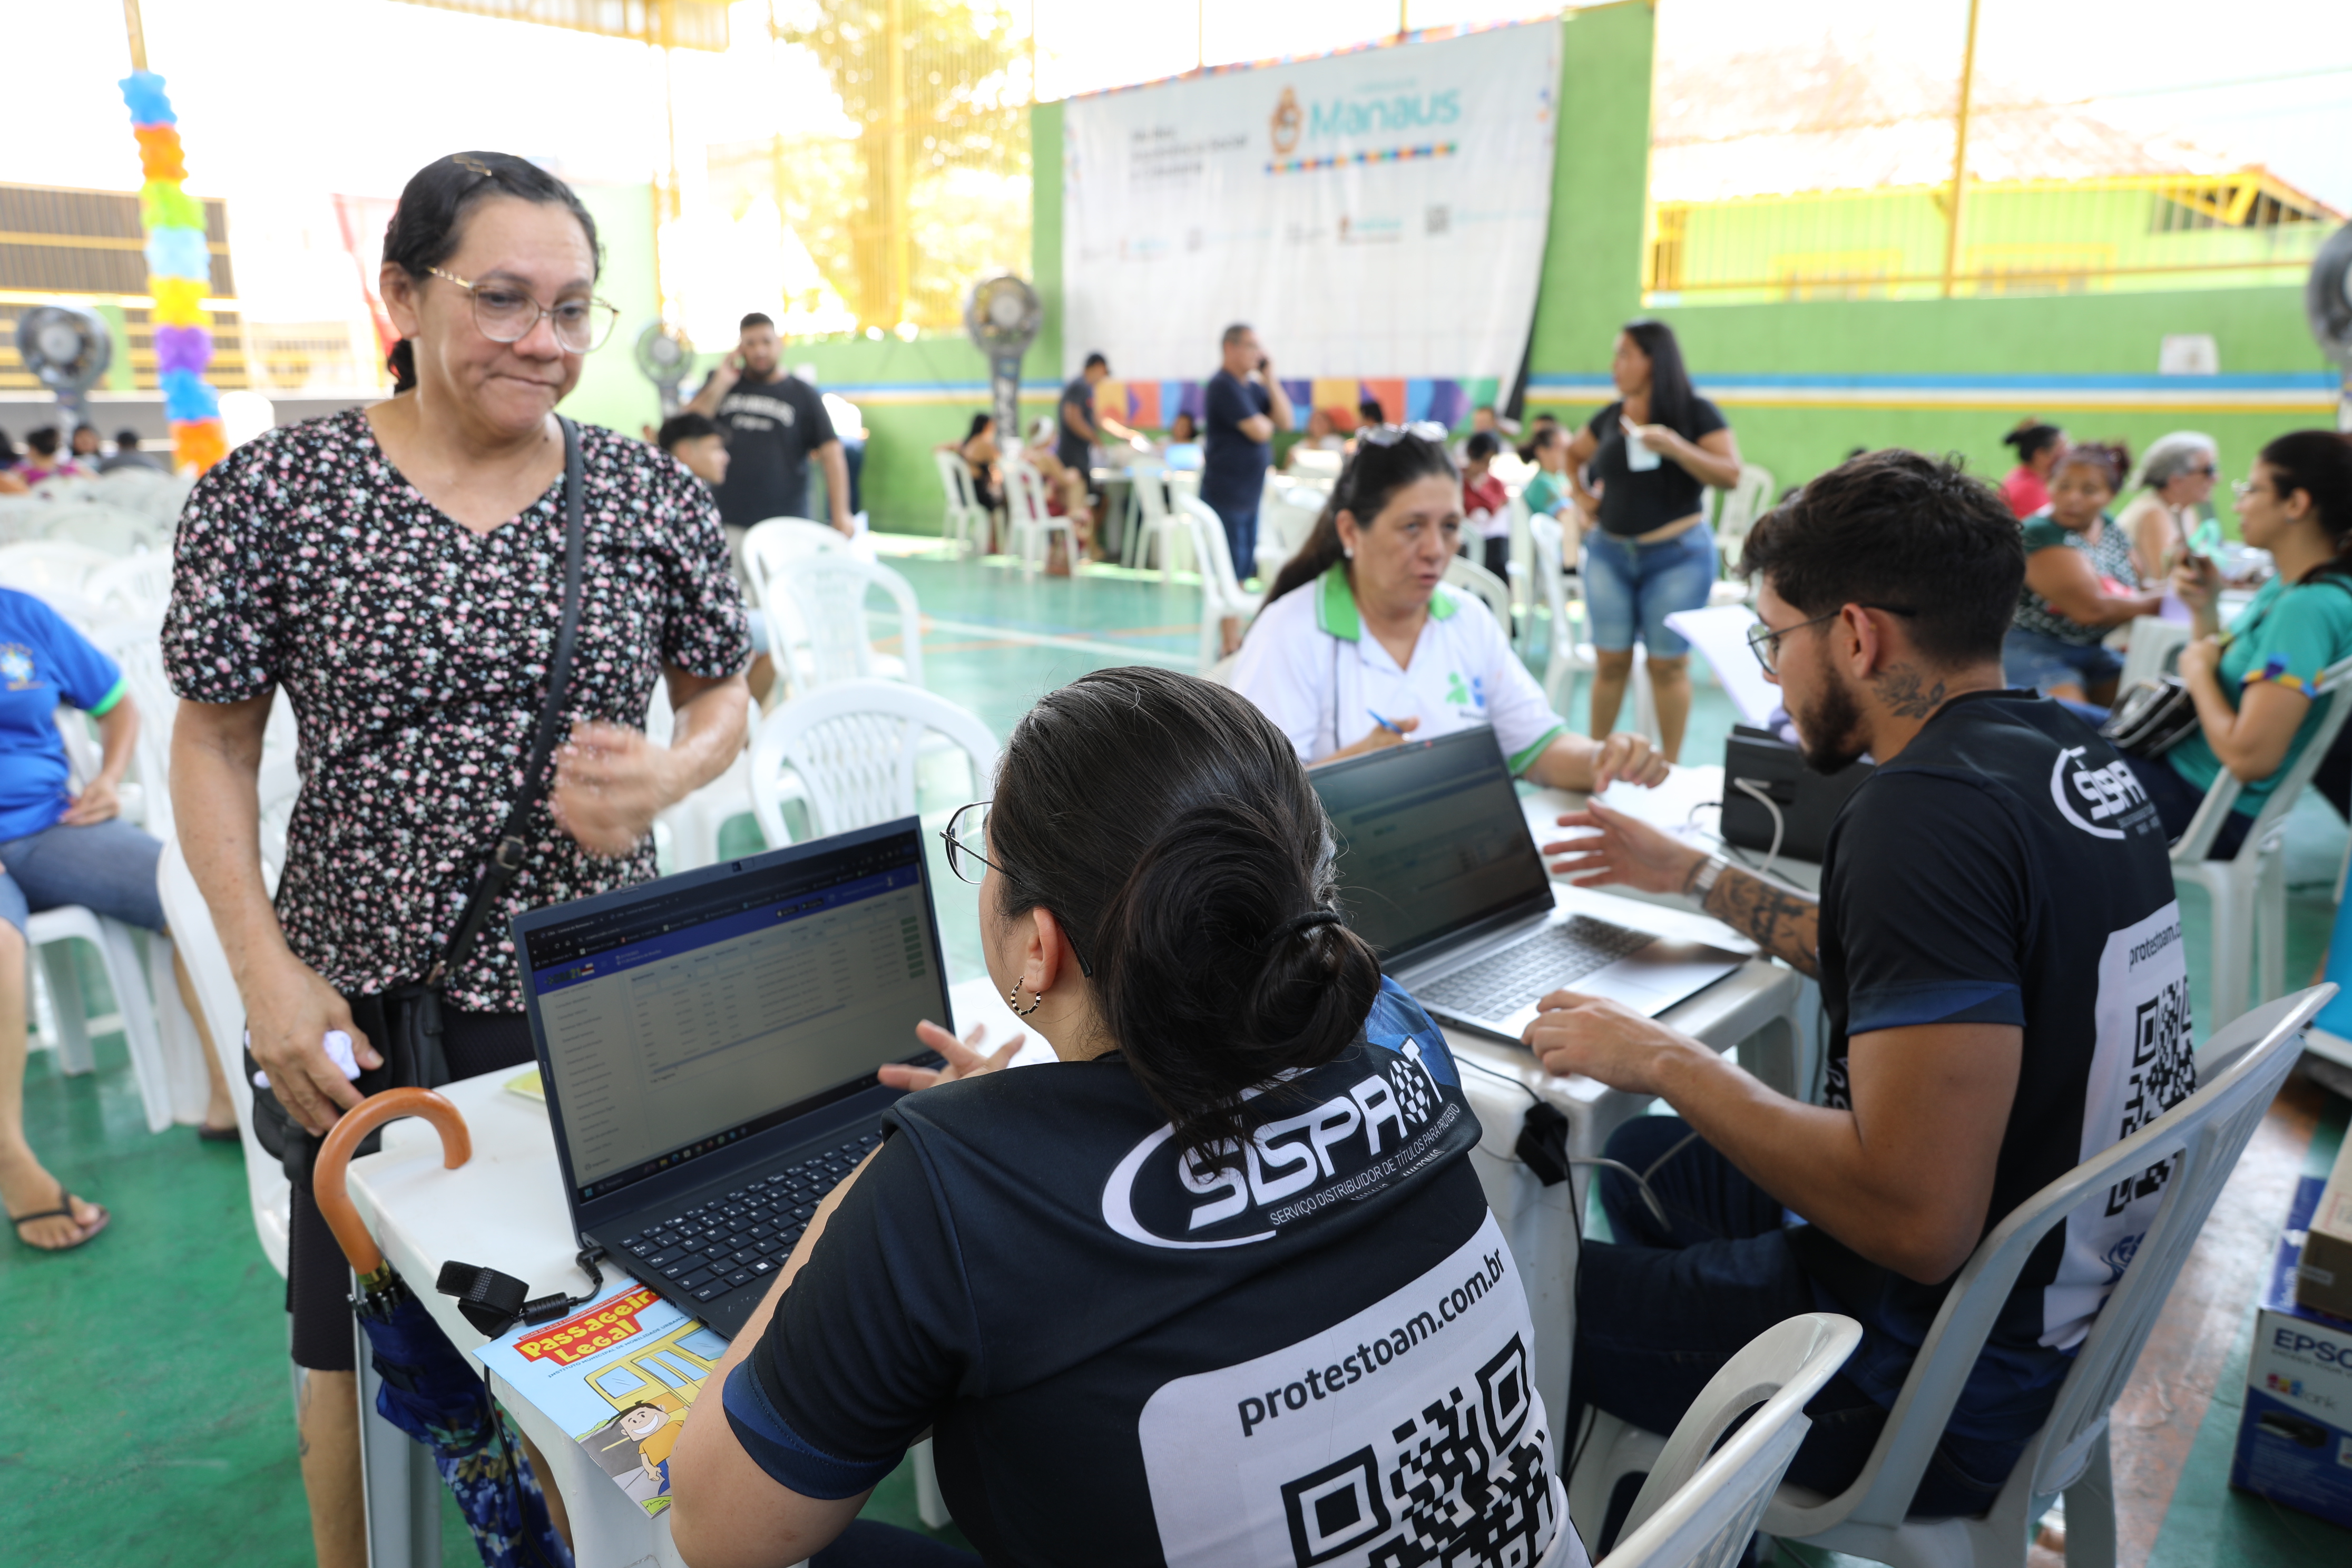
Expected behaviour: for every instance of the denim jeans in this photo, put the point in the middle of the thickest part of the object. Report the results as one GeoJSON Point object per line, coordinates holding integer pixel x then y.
{"type": "Point", "coordinates": [1241, 540]}
{"type": "Point", "coordinates": [1630, 589]}
{"type": "Point", "coordinates": [2042, 661]}
{"type": "Point", "coordinates": [108, 868]}
{"type": "Point", "coordinates": [1662, 1310]}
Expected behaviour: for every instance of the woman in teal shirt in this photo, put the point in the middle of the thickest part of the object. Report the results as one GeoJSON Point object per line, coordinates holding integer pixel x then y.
{"type": "Point", "coordinates": [2253, 685]}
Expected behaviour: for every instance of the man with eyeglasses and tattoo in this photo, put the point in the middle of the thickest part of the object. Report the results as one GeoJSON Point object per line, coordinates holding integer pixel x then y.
{"type": "Point", "coordinates": [1999, 950]}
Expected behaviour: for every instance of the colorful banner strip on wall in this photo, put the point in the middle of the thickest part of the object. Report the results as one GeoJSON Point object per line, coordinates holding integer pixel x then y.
{"type": "Point", "coordinates": [1154, 404]}
{"type": "Point", "coordinates": [179, 276]}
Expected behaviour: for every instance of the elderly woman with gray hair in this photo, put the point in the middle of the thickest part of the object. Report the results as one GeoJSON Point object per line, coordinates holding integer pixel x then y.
{"type": "Point", "coordinates": [2174, 477]}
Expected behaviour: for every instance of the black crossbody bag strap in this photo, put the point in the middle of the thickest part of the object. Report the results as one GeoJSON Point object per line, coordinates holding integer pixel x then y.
{"type": "Point", "coordinates": [499, 867]}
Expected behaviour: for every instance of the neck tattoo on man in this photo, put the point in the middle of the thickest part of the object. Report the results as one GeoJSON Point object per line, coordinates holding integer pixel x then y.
{"type": "Point", "coordinates": [1906, 696]}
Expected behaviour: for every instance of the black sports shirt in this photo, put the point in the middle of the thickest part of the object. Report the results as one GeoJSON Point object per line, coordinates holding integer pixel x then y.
{"type": "Point", "coordinates": [2006, 869]}
{"type": "Point", "coordinates": [1321, 1357]}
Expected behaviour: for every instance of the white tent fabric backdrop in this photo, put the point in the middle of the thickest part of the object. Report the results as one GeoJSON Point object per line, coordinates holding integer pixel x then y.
{"type": "Point", "coordinates": [1376, 214]}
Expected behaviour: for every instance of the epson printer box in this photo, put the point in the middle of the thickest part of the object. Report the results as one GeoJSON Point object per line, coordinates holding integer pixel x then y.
{"type": "Point", "coordinates": [2295, 1440]}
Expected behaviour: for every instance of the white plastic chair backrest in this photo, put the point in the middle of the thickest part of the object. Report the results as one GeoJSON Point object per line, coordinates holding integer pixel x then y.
{"type": "Point", "coordinates": [141, 585]}
{"type": "Point", "coordinates": [955, 480]}
{"type": "Point", "coordinates": [771, 546]}
{"type": "Point", "coordinates": [44, 567]}
{"type": "Point", "coordinates": [2241, 1070]}
{"type": "Point", "coordinates": [1466, 575]}
{"type": "Point", "coordinates": [136, 644]}
{"type": "Point", "coordinates": [1214, 555]}
{"type": "Point", "coordinates": [1327, 464]}
{"type": "Point", "coordinates": [1741, 505]}
{"type": "Point", "coordinates": [854, 747]}
{"type": "Point", "coordinates": [109, 529]}
{"type": "Point", "coordinates": [1544, 534]}
{"type": "Point", "coordinates": [1152, 494]}
{"type": "Point", "coordinates": [828, 593]}
{"type": "Point", "coordinates": [1700, 1504]}
{"type": "Point", "coordinates": [198, 945]}
{"type": "Point", "coordinates": [1025, 496]}
{"type": "Point", "coordinates": [2221, 798]}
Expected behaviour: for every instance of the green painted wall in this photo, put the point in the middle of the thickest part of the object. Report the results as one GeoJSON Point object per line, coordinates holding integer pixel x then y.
{"type": "Point", "coordinates": [611, 391]}
{"type": "Point", "coordinates": [1592, 269]}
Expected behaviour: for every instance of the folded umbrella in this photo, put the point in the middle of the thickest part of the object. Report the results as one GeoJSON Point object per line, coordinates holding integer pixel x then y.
{"type": "Point", "coordinates": [430, 1391]}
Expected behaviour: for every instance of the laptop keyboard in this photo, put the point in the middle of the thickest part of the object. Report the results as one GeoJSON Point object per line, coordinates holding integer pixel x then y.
{"type": "Point", "coordinates": [1498, 986]}
{"type": "Point", "coordinates": [744, 1238]}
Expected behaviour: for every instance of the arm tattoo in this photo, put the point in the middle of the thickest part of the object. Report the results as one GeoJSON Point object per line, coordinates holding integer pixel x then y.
{"type": "Point", "coordinates": [1784, 924]}
{"type": "Point", "coordinates": [1901, 690]}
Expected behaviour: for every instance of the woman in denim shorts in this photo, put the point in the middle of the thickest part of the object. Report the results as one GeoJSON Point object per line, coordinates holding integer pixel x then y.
{"type": "Point", "coordinates": [1640, 472]}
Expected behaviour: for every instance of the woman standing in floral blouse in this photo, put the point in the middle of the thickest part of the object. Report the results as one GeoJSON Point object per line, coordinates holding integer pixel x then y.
{"type": "Point", "coordinates": [400, 571]}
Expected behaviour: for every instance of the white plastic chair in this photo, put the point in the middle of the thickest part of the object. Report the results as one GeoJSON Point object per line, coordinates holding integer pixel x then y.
{"type": "Point", "coordinates": [2248, 891]}
{"type": "Point", "coordinates": [1033, 525]}
{"type": "Point", "coordinates": [770, 547]}
{"type": "Point", "coordinates": [1734, 515]}
{"type": "Point", "coordinates": [2242, 1068]}
{"type": "Point", "coordinates": [51, 568]}
{"type": "Point", "coordinates": [139, 587]}
{"type": "Point", "coordinates": [1151, 526]}
{"type": "Point", "coordinates": [1466, 575]}
{"type": "Point", "coordinates": [135, 642]}
{"type": "Point", "coordinates": [965, 521]}
{"type": "Point", "coordinates": [2154, 649]}
{"type": "Point", "coordinates": [1222, 595]}
{"type": "Point", "coordinates": [216, 988]}
{"type": "Point", "coordinates": [1701, 1503]}
{"type": "Point", "coordinates": [49, 934]}
{"type": "Point", "coordinates": [854, 750]}
{"type": "Point", "coordinates": [109, 529]}
{"type": "Point", "coordinates": [827, 596]}
{"type": "Point", "coordinates": [1569, 654]}
{"type": "Point", "coordinates": [1284, 522]}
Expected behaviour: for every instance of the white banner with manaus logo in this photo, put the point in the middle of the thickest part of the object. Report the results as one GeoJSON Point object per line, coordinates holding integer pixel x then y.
{"type": "Point", "coordinates": [1377, 215]}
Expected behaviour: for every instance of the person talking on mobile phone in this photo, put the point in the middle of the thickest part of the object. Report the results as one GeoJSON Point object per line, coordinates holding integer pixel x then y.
{"type": "Point", "coordinates": [775, 423]}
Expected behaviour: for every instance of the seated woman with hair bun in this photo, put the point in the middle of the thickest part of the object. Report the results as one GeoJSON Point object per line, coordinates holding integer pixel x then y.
{"type": "Point", "coordinates": [1219, 1286]}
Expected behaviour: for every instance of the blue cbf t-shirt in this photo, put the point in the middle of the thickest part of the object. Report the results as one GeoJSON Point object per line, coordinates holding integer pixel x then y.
{"type": "Point", "coordinates": [43, 662]}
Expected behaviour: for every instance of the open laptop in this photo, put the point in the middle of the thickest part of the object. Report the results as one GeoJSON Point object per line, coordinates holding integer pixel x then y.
{"type": "Point", "coordinates": [709, 1041]}
{"type": "Point", "coordinates": [1439, 873]}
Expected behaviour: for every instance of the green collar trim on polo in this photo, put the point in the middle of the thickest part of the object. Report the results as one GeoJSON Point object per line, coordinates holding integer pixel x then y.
{"type": "Point", "coordinates": [1335, 606]}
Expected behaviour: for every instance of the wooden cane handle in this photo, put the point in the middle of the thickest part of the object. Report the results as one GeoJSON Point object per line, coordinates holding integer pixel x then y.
{"type": "Point", "coordinates": [334, 1161]}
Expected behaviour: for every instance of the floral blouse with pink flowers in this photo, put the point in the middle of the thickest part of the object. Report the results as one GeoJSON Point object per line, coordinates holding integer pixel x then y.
{"type": "Point", "coordinates": [414, 652]}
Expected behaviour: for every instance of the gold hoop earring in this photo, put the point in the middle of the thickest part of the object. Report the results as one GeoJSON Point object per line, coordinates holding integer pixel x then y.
{"type": "Point", "coordinates": [1013, 1000]}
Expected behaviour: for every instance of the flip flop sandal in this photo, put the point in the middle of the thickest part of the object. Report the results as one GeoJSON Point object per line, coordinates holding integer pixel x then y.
{"type": "Point", "coordinates": [64, 1210]}
{"type": "Point", "coordinates": [227, 1134]}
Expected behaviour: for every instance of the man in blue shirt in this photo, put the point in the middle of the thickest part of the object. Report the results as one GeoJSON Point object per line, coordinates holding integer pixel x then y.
{"type": "Point", "coordinates": [59, 847]}
{"type": "Point", "coordinates": [1243, 406]}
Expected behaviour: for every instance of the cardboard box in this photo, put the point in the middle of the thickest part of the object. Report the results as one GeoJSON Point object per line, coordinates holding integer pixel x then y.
{"type": "Point", "coordinates": [2295, 1439]}
{"type": "Point", "coordinates": [2323, 1278]}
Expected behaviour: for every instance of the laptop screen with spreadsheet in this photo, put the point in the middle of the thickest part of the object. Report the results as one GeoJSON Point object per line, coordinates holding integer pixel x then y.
{"type": "Point", "coordinates": [1432, 845]}
{"type": "Point", "coordinates": [694, 1012]}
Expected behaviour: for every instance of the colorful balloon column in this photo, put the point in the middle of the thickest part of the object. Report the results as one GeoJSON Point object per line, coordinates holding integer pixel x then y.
{"type": "Point", "coordinates": [179, 276]}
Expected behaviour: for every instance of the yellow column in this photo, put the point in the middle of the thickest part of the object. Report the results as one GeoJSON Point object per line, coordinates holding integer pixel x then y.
{"type": "Point", "coordinates": [1961, 157]}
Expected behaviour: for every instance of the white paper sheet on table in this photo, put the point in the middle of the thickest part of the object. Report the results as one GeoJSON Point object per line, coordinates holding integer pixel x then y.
{"type": "Point", "coordinates": [1720, 633]}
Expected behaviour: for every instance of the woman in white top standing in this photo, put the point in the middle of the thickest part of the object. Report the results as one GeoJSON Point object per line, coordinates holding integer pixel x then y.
{"type": "Point", "coordinates": [1360, 644]}
{"type": "Point", "coordinates": [2174, 478]}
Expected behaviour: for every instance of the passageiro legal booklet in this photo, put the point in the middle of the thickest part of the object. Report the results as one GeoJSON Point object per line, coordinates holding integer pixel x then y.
{"type": "Point", "coordinates": [619, 1375]}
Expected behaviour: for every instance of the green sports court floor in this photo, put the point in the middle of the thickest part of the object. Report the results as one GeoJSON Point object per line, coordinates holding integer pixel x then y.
{"type": "Point", "coordinates": [150, 1416]}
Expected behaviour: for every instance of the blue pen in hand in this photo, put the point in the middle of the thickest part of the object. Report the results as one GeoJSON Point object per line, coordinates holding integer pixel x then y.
{"type": "Point", "coordinates": [1386, 725]}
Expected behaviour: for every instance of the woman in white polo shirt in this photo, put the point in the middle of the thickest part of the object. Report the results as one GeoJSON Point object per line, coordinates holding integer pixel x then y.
{"type": "Point", "coordinates": [1360, 644]}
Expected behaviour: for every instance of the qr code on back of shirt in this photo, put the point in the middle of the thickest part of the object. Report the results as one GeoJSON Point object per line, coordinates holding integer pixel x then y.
{"type": "Point", "coordinates": [1466, 1484]}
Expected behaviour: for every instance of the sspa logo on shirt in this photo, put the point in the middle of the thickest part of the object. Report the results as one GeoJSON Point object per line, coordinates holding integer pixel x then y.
{"type": "Point", "coordinates": [1354, 1139]}
{"type": "Point", "coordinates": [2112, 795]}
